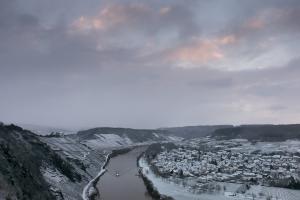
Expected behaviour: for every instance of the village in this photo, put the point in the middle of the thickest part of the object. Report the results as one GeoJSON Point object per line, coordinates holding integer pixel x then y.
{"type": "Point", "coordinates": [215, 161]}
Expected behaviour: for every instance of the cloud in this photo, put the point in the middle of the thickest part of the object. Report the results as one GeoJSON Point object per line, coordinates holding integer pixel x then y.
{"type": "Point", "coordinates": [165, 10]}
{"type": "Point", "coordinates": [123, 63]}
{"type": "Point", "coordinates": [200, 52]}
{"type": "Point", "coordinates": [147, 18]}
{"type": "Point", "coordinates": [109, 17]}
{"type": "Point", "coordinates": [255, 24]}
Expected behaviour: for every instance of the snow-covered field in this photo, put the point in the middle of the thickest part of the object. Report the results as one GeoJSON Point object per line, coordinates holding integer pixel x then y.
{"type": "Point", "coordinates": [288, 146]}
{"type": "Point", "coordinates": [276, 193]}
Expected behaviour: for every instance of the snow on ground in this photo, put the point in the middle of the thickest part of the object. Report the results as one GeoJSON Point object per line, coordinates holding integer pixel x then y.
{"type": "Point", "coordinates": [45, 130]}
{"type": "Point", "coordinates": [108, 140]}
{"type": "Point", "coordinates": [288, 146]}
{"type": "Point", "coordinates": [53, 175]}
{"type": "Point", "coordinates": [173, 190]}
{"type": "Point", "coordinates": [174, 138]}
{"type": "Point", "coordinates": [91, 153]}
{"type": "Point", "coordinates": [179, 192]}
{"type": "Point", "coordinates": [276, 193]}
{"type": "Point", "coordinates": [104, 141]}
{"type": "Point", "coordinates": [61, 186]}
{"type": "Point", "coordinates": [291, 146]}
{"type": "Point", "coordinates": [69, 147]}
{"type": "Point", "coordinates": [89, 190]}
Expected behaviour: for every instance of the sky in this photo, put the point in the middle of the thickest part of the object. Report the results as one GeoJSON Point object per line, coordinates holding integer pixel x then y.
{"type": "Point", "coordinates": [149, 64]}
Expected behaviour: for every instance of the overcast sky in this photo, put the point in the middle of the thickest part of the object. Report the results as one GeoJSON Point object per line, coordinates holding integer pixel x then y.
{"type": "Point", "coordinates": [148, 64]}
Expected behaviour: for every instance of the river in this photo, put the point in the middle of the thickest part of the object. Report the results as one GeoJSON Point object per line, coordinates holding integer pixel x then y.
{"type": "Point", "coordinates": [126, 186]}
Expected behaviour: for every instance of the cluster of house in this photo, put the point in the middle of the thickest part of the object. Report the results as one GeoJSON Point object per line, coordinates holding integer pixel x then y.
{"type": "Point", "coordinates": [223, 164]}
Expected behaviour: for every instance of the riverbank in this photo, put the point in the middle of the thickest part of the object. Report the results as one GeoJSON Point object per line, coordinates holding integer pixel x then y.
{"type": "Point", "coordinates": [153, 192]}
{"type": "Point", "coordinates": [169, 189]}
{"type": "Point", "coordinates": [90, 191]}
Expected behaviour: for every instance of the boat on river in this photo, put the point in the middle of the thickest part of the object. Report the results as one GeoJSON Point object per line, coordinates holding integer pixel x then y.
{"type": "Point", "coordinates": [117, 174]}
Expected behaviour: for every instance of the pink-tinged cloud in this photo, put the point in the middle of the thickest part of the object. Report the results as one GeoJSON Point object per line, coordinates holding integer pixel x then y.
{"type": "Point", "coordinates": [225, 40]}
{"type": "Point", "coordinates": [202, 51]}
{"type": "Point", "coordinates": [109, 17]}
{"type": "Point", "coordinates": [255, 23]}
{"type": "Point", "coordinates": [270, 17]}
{"type": "Point", "coordinates": [165, 10]}
{"type": "Point", "coordinates": [86, 24]}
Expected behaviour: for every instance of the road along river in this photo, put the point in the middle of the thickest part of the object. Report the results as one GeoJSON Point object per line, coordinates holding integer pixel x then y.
{"type": "Point", "coordinates": [121, 180]}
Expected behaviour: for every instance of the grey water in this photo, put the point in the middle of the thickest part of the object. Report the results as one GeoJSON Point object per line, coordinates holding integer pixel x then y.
{"type": "Point", "coordinates": [126, 186]}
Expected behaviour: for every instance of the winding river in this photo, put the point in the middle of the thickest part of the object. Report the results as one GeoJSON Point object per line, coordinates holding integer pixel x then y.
{"type": "Point", "coordinates": [126, 186]}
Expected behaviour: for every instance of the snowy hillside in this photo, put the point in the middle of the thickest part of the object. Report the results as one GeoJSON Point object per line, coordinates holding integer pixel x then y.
{"type": "Point", "coordinates": [28, 166]}
{"type": "Point", "coordinates": [118, 137]}
{"type": "Point", "coordinates": [46, 130]}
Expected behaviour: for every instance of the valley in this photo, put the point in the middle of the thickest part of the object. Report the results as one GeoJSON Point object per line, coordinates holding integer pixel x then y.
{"type": "Point", "coordinates": [201, 163]}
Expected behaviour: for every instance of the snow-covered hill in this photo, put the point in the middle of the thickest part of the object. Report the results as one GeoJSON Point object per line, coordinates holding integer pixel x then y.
{"type": "Point", "coordinates": [46, 130]}
{"type": "Point", "coordinates": [118, 137]}
{"type": "Point", "coordinates": [28, 166]}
